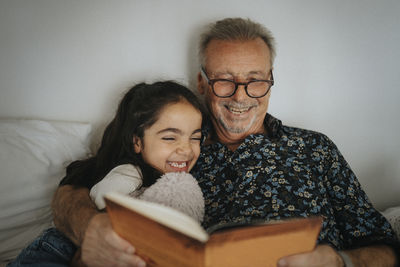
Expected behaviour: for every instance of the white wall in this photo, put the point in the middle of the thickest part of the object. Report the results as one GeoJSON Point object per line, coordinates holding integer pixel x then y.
{"type": "Point", "coordinates": [337, 69]}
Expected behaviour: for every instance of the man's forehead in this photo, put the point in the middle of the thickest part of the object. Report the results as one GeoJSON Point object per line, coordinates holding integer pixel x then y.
{"type": "Point", "coordinates": [224, 56]}
{"type": "Point", "coordinates": [235, 46]}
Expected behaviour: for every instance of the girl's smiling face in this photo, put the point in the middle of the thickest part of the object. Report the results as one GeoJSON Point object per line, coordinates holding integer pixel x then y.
{"type": "Point", "coordinates": [172, 143]}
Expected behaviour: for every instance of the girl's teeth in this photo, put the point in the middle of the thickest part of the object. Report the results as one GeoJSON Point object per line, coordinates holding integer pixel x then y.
{"type": "Point", "coordinates": [177, 165]}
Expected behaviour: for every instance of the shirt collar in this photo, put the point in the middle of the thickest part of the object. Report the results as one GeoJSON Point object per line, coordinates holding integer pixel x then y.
{"type": "Point", "coordinates": [273, 126]}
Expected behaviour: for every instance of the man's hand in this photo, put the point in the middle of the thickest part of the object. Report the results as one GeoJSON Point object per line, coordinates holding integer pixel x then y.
{"type": "Point", "coordinates": [77, 217]}
{"type": "Point", "coordinates": [322, 255]}
{"type": "Point", "coordinates": [103, 247]}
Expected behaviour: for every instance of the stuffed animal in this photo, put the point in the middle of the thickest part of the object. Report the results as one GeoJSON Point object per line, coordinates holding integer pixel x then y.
{"type": "Point", "coordinates": [178, 190]}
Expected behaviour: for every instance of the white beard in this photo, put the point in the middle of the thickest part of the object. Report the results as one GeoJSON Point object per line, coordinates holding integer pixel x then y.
{"type": "Point", "coordinates": [235, 129]}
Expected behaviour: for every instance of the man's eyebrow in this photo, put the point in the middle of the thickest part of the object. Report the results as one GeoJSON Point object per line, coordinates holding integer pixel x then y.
{"type": "Point", "coordinates": [255, 72]}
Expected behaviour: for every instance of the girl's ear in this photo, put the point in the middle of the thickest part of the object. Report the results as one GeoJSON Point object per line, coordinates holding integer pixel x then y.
{"type": "Point", "coordinates": [137, 144]}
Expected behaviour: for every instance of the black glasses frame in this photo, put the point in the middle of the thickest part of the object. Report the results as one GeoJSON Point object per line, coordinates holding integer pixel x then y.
{"type": "Point", "coordinates": [211, 82]}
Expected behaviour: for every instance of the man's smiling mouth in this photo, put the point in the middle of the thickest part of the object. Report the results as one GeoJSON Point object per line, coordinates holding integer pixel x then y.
{"type": "Point", "coordinates": [237, 111]}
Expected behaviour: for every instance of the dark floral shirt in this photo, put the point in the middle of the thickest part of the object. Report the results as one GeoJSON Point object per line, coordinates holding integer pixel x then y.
{"type": "Point", "coordinates": [290, 172]}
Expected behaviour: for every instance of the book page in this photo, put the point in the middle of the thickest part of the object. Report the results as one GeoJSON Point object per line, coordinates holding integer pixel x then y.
{"type": "Point", "coordinates": [165, 215]}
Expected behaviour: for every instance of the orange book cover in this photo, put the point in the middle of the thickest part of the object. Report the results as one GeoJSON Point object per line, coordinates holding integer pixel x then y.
{"type": "Point", "coordinates": [166, 237]}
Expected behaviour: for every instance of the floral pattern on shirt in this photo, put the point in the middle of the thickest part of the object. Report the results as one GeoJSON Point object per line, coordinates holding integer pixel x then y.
{"type": "Point", "coordinates": [290, 172]}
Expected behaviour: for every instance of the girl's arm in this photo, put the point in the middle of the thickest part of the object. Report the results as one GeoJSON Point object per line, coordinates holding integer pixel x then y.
{"type": "Point", "coordinates": [125, 178]}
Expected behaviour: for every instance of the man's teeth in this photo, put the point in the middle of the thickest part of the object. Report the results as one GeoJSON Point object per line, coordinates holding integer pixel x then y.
{"type": "Point", "coordinates": [238, 110]}
{"type": "Point", "coordinates": [177, 165]}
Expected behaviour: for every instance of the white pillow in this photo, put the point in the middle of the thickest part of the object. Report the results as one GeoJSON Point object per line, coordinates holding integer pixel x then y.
{"type": "Point", "coordinates": [33, 157]}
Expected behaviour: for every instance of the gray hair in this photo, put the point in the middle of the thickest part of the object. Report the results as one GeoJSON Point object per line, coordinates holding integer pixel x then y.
{"type": "Point", "coordinates": [232, 29]}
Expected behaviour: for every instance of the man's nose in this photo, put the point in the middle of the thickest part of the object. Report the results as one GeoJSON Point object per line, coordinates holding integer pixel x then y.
{"type": "Point", "coordinates": [240, 93]}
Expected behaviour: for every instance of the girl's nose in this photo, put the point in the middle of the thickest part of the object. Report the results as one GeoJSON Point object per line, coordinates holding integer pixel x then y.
{"type": "Point", "coordinates": [185, 148]}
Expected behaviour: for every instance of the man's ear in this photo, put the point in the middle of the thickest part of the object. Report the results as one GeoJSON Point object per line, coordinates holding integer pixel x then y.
{"type": "Point", "coordinates": [137, 144]}
{"type": "Point", "coordinates": [200, 84]}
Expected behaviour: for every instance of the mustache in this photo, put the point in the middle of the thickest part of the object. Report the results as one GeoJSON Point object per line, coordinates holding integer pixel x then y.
{"type": "Point", "coordinates": [239, 105]}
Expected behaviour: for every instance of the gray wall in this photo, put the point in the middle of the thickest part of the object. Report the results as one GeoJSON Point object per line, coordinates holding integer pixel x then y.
{"type": "Point", "coordinates": [337, 69]}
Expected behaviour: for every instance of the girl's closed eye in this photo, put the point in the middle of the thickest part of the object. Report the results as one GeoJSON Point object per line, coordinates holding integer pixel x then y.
{"type": "Point", "coordinates": [196, 138]}
{"type": "Point", "coordinates": [168, 138]}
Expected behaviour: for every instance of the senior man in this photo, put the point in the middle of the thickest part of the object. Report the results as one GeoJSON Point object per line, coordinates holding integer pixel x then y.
{"type": "Point", "coordinates": [251, 167]}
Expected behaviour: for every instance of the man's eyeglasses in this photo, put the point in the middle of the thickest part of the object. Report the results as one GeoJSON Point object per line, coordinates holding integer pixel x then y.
{"type": "Point", "coordinates": [226, 88]}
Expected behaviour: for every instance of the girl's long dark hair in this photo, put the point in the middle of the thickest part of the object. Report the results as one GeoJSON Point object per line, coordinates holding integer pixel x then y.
{"type": "Point", "coordinates": [138, 110]}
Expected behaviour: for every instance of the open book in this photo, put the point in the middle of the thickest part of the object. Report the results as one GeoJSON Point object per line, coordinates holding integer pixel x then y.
{"type": "Point", "coordinates": [166, 237]}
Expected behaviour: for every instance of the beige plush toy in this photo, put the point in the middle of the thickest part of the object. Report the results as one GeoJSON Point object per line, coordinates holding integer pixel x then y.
{"type": "Point", "coordinates": [178, 190]}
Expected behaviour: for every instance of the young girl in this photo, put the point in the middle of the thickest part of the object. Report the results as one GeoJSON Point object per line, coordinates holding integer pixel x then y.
{"type": "Point", "coordinates": [164, 130]}
{"type": "Point", "coordinates": [156, 130]}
